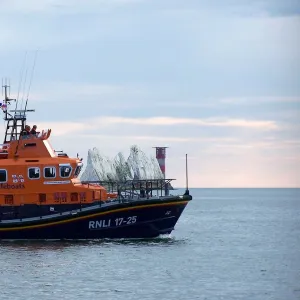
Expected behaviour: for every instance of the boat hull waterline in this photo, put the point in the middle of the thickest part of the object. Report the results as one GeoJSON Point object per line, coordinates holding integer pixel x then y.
{"type": "Point", "coordinates": [147, 219]}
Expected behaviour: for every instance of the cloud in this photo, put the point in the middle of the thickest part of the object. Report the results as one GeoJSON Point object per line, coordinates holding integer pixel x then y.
{"type": "Point", "coordinates": [169, 121]}
{"type": "Point", "coordinates": [66, 6]}
{"type": "Point", "coordinates": [260, 100]}
{"type": "Point", "coordinates": [72, 92]}
{"type": "Point", "coordinates": [216, 102]}
{"type": "Point", "coordinates": [156, 138]}
{"type": "Point", "coordinates": [241, 7]}
{"type": "Point", "coordinates": [50, 24]}
{"type": "Point", "coordinates": [216, 162]}
{"type": "Point", "coordinates": [103, 122]}
{"type": "Point", "coordinates": [242, 146]}
{"type": "Point", "coordinates": [62, 128]}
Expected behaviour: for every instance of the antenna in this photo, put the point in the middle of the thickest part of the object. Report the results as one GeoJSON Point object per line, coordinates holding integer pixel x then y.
{"type": "Point", "coordinates": [8, 87]}
{"type": "Point", "coordinates": [7, 100]}
{"type": "Point", "coordinates": [21, 79]}
{"type": "Point", "coordinates": [16, 122]}
{"type": "Point", "coordinates": [187, 192]}
{"type": "Point", "coordinates": [32, 71]}
{"type": "Point", "coordinates": [24, 88]}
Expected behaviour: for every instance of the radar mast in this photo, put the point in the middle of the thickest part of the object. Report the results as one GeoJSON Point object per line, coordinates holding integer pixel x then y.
{"type": "Point", "coordinates": [15, 119]}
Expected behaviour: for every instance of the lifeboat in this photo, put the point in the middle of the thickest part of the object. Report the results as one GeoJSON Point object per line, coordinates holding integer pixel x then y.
{"type": "Point", "coordinates": [42, 197]}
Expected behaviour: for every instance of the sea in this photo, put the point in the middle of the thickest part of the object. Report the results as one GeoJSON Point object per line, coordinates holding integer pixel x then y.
{"type": "Point", "coordinates": [228, 244]}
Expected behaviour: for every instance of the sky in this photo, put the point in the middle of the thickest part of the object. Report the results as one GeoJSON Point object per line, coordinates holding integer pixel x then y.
{"type": "Point", "coordinates": [216, 79]}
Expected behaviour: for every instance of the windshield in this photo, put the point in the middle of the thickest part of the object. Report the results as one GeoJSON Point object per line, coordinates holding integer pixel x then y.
{"type": "Point", "coordinates": [78, 170]}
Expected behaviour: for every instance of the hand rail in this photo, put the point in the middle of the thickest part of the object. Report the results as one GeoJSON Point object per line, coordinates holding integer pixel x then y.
{"type": "Point", "coordinates": [4, 145]}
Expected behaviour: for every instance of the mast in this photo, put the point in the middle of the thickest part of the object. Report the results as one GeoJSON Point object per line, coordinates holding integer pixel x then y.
{"type": "Point", "coordinates": [187, 192]}
{"type": "Point", "coordinates": [16, 122]}
{"type": "Point", "coordinates": [7, 100]}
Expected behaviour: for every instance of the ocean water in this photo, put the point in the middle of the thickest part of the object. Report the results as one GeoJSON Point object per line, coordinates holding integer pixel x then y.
{"type": "Point", "coordinates": [229, 244]}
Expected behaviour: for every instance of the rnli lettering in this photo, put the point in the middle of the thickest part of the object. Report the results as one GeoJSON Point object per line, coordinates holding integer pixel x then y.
{"type": "Point", "coordinates": [94, 225]}
{"type": "Point", "coordinates": [99, 224]}
{"type": "Point", "coordinates": [12, 186]}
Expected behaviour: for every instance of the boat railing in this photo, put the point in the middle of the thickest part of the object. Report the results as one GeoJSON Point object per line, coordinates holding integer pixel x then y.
{"type": "Point", "coordinates": [120, 192]}
{"type": "Point", "coordinates": [135, 189]}
{"type": "Point", "coordinates": [4, 149]}
{"type": "Point", "coordinates": [124, 191]}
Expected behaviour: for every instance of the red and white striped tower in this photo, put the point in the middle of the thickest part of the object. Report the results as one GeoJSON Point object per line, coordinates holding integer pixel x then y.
{"type": "Point", "coordinates": [161, 158]}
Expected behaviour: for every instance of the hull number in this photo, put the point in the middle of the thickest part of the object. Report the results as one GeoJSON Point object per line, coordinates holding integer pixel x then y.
{"type": "Point", "coordinates": [125, 221]}
{"type": "Point", "coordinates": [112, 223]}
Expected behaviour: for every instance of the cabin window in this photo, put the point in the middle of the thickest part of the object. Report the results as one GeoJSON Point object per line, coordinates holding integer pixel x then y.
{"type": "Point", "coordinates": [77, 170]}
{"type": "Point", "coordinates": [34, 173]}
{"type": "Point", "coordinates": [3, 175]}
{"type": "Point", "coordinates": [65, 171]}
{"type": "Point", "coordinates": [49, 172]}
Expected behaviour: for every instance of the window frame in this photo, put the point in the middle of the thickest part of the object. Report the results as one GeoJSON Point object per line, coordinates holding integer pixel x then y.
{"type": "Point", "coordinates": [50, 167]}
{"type": "Point", "coordinates": [34, 168]}
{"type": "Point", "coordinates": [79, 165]}
{"type": "Point", "coordinates": [6, 175]}
{"type": "Point", "coordinates": [65, 165]}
